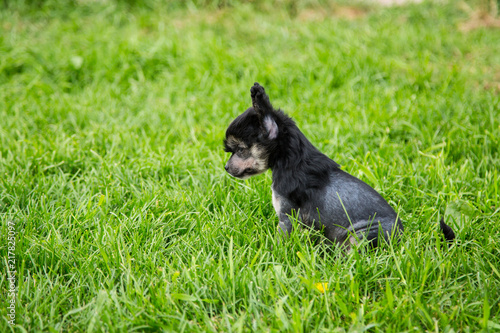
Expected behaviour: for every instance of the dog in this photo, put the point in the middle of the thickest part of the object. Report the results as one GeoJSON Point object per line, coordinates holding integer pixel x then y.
{"type": "Point", "coordinates": [306, 183]}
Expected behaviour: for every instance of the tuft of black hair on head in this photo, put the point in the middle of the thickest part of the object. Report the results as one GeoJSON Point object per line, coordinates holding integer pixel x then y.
{"type": "Point", "coordinates": [448, 233]}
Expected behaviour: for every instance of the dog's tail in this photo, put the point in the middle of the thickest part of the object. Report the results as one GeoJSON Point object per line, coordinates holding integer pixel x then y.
{"type": "Point", "coordinates": [448, 232]}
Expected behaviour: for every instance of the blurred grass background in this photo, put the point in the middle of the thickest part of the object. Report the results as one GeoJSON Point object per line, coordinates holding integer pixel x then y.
{"type": "Point", "coordinates": [112, 117]}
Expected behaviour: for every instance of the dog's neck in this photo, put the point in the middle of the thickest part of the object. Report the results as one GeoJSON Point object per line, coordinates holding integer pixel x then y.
{"type": "Point", "coordinates": [298, 166]}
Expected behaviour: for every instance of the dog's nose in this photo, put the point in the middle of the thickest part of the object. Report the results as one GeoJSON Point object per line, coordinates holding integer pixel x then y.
{"type": "Point", "coordinates": [226, 167]}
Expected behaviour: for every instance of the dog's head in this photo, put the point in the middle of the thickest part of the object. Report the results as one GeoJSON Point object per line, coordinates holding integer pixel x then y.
{"type": "Point", "coordinates": [250, 138]}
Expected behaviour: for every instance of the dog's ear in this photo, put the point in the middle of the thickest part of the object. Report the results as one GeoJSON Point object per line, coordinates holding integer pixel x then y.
{"type": "Point", "coordinates": [271, 127]}
{"type": "Point", "coordinates": [264, 109]}
{"type": "Point", "coordinates": [260, 100]}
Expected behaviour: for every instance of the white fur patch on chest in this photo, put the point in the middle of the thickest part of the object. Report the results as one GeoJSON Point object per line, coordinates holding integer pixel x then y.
{"type": "Point", "coordinates": [276, 202]}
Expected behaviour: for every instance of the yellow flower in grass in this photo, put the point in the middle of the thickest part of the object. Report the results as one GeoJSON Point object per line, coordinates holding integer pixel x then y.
{"type": "Point", "coordinates": [321, 287]}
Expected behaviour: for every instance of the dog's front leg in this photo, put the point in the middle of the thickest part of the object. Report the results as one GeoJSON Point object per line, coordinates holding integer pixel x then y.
{"type": "Point", "coordinates": [283, 211]}
{"type": "Point", "coordinates": [285, 226]}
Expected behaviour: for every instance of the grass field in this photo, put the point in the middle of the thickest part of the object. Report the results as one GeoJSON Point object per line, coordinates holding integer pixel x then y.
{"type": "Point", "coordinates": [112, 168]}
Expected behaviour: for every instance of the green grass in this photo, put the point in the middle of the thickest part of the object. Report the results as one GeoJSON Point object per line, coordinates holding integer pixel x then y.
{"type": "Point", "coordinates": [111, 166]}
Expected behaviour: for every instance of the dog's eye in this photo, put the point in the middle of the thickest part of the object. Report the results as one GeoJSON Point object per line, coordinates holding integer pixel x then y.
{"type": "Point", "coordinates": [227, 149]}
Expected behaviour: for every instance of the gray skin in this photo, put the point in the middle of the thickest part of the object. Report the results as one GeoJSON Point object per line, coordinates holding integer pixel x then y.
{"type": "Point", "coordinates": [346, 209]}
